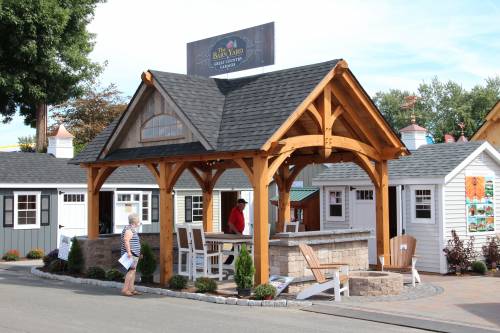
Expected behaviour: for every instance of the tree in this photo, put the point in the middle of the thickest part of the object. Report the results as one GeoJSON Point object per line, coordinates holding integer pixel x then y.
{"type": "Point", "coordinates": [44, 48]}
{"type": "Point", "coordinates": [440, 107]}
{"type": "Point", "coordinates": [87, 116]}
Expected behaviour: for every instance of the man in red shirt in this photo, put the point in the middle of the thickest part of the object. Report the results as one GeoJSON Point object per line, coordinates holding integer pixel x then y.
{"type": "Point", "coordinates": [236, 224]}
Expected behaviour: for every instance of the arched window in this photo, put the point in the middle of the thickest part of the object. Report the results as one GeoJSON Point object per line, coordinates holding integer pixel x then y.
{"type": "Point", "coordinates": [162, 126]}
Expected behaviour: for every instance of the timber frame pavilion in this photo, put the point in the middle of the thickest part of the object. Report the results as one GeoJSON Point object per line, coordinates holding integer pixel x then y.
{"type": "Point", "coordinates": [270, 125]}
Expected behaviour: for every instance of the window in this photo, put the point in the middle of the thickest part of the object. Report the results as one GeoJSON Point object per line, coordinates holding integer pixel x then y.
{"type": "Point", "coordinates": [74, 198]}
{"type": "Point", "coordinates": [162, 127]}
{"type": "Point", "coordinates": [8, 211]}
{"type": "Point", "coordinates": [422, 205]}
{"type": "Point", "coordinates": [336, 203]}
{"type": "Point", "coordinates": [193, 209]}
{"type": "Point", "coordinates": [146, 207]}
{"type": "Point", "coordinates": [364, 194]}
{"type": "Point", "coordinates": [45, 210]}
{"type": "Point", "coordinates": [155, 208]}
{"type": "Point", "coordinates": [26, 210]}
{"type": "Point", "coordinates": [133, 202]}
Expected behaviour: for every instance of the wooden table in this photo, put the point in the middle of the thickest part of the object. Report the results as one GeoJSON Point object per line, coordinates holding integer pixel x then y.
{"type": "Point", "coordinates": [235, 240]}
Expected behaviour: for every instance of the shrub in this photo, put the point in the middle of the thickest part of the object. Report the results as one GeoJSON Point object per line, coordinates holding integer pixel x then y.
{"type": "Point", "coordinates": [458, 255]}
{"type": "Point", "coordinates": [75, 257]}
{"type": "Point", "coordinates": [491, 251]}
{"type": "Point", "coordinates": [244, 270]}
{"type": "Point", "coordinates": [147, 264]}
{"type": "Point", "coordinates": [53, 255]}
{"type": "Point", "coordinates": [114, 275]}
{"type": "Point", "coordinates": [57, 265]}
{"type": "Point", "coordinates": [178, 282]}
{"type": "Point", "coordinates": [35, 254]}
{"type": "Point", "coordinates": [265, 291]}
{"type": "Point", "coordinates": [479, 267]}
{"type": "Point", "coordinates": [96, 273]}
{"type": "Point", "coordinates": [11, 255]}
{"type": "Point", "coordinates": [205, 285]}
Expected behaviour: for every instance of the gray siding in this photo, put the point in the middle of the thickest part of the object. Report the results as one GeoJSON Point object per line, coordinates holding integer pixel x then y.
{"type": "Point", "coordinates": [179, 203]}
{"type": "Point", "coordinates": [25, 240]}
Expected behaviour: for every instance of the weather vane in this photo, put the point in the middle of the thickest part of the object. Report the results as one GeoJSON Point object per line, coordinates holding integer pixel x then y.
{"type": "Point", "coordinates": [462, 126]}
{"type": "Point", "coordinates": [409, 104]}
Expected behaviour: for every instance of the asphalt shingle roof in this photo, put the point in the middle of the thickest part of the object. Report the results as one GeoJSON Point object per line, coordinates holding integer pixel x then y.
{"type": "Point", "coordinates": [231, 115]}
{"type": "Point", "coordinates": [429, 161]}
{"type": "Point", "coordinates": [36, 168]}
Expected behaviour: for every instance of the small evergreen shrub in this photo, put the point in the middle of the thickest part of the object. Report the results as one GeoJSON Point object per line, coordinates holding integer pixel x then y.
{"type": "Point", "coordinates": [458, 255]}
{"type": "Point", "coordinates": [178, 282]}
{"type": "Point", "coordinates": [147, 264]}
{"type": "Point", "coordinates": [479, 267]}
{"type": "Point", "coordinates": [265, 291]}
{"type": "Point", "coordinates": [11, 255]}
{"type": "Point", "coordinates": [53, 255]}
{"type": "Point", "coordinates": [75, 257]}
{"type": "Point", "coordinates": [114, 275]}
{"type": "Point", "coordinates": [35, 254]}
{"type": "Point", "coordinates": [244, 269]}
{"type": "Point", "coordinates": [491, 251]}
{"type": "Point", "coordinates": [205, 285]}
{"type": "Point", "coordinates": [96, 273]}
{"type": "Point", "coordinates": [57, 266]}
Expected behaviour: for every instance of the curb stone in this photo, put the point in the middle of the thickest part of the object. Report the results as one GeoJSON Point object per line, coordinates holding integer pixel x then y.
{"type": "Point", "coordinates": [170, 293]}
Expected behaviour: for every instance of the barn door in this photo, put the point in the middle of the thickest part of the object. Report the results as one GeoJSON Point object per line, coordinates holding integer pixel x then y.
{"type": "Point", "coordinates": [363, 212]}
{"type": "Point", "coordinates": [72, 217]}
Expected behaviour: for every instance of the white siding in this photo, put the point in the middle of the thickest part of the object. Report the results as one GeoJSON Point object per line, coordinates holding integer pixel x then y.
{"type": "Point", "coordinates": [455, 199]}
{"type": "Point", "coordinates": [332, 225]}
{"type": "Point", "coordinates": [179, 209]}
{"type": "Point", "coordinates": [428, 250]}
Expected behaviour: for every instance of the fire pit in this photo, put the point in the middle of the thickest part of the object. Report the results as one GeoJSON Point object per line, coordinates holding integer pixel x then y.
{"type": "Point", "coordinates": [375, 283]}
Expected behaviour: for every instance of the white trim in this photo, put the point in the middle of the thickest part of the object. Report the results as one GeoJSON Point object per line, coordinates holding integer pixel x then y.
{"type": "Point", "coordinates": [109, 187]}
{"type": "Point", "coordinates": [149, 194]}
{"type": "Point", "coordinates": [404, 190]}
{"type": "Point", "coordinates": [322, 209]}
{"type": "Point", "coordinates": [414, 219]}
{"type": "Point", "coordinates": [37, 211]}
{"type": "Point", "coordinates": [443, 269]}
{"type": "Point", "coordinates": [327, 206]}
{"type": "Point", "coordinates": [399, 211]}
{"type": "Point", "coordinates": [485, 147]}
{"type": "Point", "coordinates": [392, 182]}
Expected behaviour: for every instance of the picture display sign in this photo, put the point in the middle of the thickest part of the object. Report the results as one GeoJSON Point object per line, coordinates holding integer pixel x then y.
{"type": "Point", "coordinates": [231, 52]}
{"type": "Point", "coordinates": [280, 282]}
{"type": "Point", "coordinates": [64, 247]}
{"type": "Point", "coordinates": [479, 203]}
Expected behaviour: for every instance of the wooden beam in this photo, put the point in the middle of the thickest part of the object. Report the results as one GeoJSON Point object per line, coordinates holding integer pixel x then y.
{"type": "Point", "coordinates": [313, 111]}
{"type": "Point", "coordinates": [369, 168]}
{"type": "Point", "coordinates": [166, 223]}
{"type": "Point", "coordinates": [327, 115]}
{"type": "Point", "coordinates": [276, 163]}
{"type": "Point", "coordinates": [261, 234]}
{"type": "Point", "coordinates": [382, 210]}
{"type": "Point", "coordinates": [335, 115]}
{"type": "Point", "coordinates": [154, 171]}
{"type": "Point", "coordinates": [92, 205]}
{"type": "Point", "coordinates": [199, 179]}
{"type": "Point", "coordinates": [246, 169]}
{"type": "Point", "coordinates": [284, 197]}
{"type": "Point", "coordinates": [102, 175]}
{"type": "Point", "coordinates": [208, 211]}
{"type": "Point", "coordinates": [353, 145]}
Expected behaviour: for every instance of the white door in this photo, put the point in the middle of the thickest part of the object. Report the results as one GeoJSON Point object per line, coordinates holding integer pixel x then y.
{"type": "Point", "coordinates": [72, 219]}
{"type": "Point", "coordinates": [363, 216]}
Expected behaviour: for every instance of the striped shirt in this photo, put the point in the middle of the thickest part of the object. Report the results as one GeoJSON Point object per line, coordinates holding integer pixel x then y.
{"type": "Point", "coordinates": [135, 242]}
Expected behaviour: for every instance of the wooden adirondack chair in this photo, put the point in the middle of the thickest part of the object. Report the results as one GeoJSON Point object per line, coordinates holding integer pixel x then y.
{"type": "Point", "coordinates": [339, 282]}
{"type": "Point", "coordinates": [402, 257]}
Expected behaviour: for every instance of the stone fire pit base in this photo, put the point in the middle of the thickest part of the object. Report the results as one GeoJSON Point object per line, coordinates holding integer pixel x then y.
{"type": "Point", "coordinates": [375, 283]}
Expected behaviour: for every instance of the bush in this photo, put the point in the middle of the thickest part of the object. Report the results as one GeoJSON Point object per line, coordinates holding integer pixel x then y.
{"type": "Point", "coordinates": [96, 273]}
{"type": "Point", "coordinates": [458, 255]}
{"type": "Point", "coordinates": [11, 255]}
{"type": "Point", "coordinates": [57, 266]}
{"type": "Point", "coordinates": [75, 257]}
{"type": "Point", "coordinates": [479, 267]}
{"type": "Point", "coordinates": [205, 285]}
{"type": "Point", "coordinates": [178, 282]}
{"type": "Point", "coordinates": [114, 275]}
{"type": "Point", "coordinates": [491, 251]}
{"type": "Point", "coordinates": [53, 255]}
{"type": "Point", "coordinates": [244, 270]}
{"type": "Point", "coordinates": [147, 264]}
{"type": "Point", "coordinates": [265, 291]}
{"type": "Point", "coordinates": [35, 254]}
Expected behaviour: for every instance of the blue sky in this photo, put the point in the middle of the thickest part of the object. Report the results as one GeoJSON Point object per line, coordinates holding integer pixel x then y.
{"type": "Point", "coordinates": [388, 44]}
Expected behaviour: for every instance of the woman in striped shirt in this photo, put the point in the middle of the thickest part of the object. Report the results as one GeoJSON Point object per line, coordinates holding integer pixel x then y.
{"type": "Point", "coordinates": [131, 244]}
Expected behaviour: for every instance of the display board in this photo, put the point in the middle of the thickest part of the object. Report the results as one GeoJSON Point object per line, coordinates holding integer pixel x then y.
{"type": "Point", "coordinates": [480, 204]}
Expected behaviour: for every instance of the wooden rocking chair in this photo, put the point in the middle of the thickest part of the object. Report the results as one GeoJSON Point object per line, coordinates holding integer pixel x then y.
{"type": "Point", "coordinates": [402, 257]}
{"type": "Point", "coordinates": [339, 282]}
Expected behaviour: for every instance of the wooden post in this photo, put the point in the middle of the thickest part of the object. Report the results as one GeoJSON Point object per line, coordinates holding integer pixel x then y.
{"type": "Point", "coordinates": [283, 209]}
{"type": "Point", "coordinates": [382, 211]}
{"type": "Point", "coordinates": [208, 210]}
{"type": "Point", "coordinates": [166, 224]}
{"type": "Point", "coordinates": [261, 233]}
{"type": "Point", "coordinates": [92, 204]}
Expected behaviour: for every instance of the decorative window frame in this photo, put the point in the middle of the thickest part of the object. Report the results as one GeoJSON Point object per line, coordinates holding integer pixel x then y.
{"type": "Point", "coordinates": [328, 190]}
{"type": "Point", "coordinates": [37, 211]}
{"type": "Point", "coordinates": [149, 208]}
{"type": "Point", "coordinates": [414, 219]}
{"type": "Point", "coordinates": [140, 193]}
{"type": "Point", "coordinates": [162, 138]}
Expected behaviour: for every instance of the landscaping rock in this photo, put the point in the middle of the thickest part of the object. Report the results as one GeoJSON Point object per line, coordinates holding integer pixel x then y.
{"type": "Point", "coordinates": [232, 301]}
{"type": "Point", "coordinates": [242, 302]}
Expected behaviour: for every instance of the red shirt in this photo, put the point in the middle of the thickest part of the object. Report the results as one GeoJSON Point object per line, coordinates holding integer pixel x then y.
{"type": "Point", "coordinates": [237, 219]}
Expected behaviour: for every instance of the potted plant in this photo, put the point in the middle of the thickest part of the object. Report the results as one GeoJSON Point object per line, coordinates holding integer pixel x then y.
{"type": "Point", "coordinates": [147, 264]}
{"type": "Point", "coordinates": [244, 271]}
{"type": "Point", "coordinates": [265, 292]}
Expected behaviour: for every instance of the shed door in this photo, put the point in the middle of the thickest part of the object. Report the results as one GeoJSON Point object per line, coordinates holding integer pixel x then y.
{"type": "Point", "coordinates": [364, 217]}
{"type": "Point", "coordinates": [72, 217]}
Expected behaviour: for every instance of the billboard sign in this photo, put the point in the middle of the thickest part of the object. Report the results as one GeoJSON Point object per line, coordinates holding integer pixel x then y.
{"type": "Point", "coordinates": [231, 52]}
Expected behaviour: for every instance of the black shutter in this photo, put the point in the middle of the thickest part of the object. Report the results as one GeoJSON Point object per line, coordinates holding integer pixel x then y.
{"type": "Point", "coordinates": [155, 208]}
{"type": "Point", "coordinates": [188, 208]}
{"type": "Point", "coordinates": [45, 210]}
{"type": "Point", "coordinates": [8, 211]}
